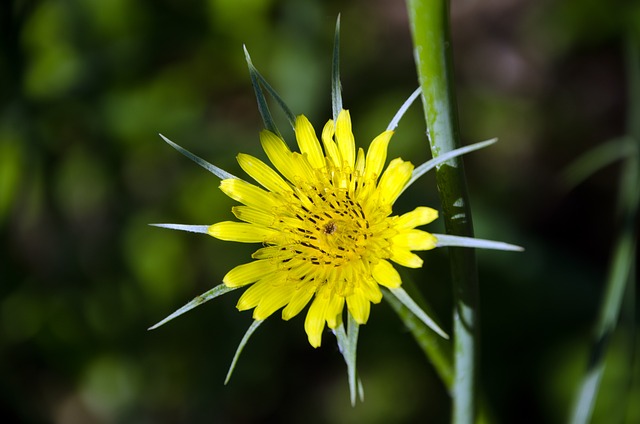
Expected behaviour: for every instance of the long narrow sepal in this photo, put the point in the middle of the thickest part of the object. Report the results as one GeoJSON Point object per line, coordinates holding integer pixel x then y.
{"type": "Point", "coordinates": [263, 107]}
{"type": "Point", "coordinates": [218, 172]}
{"type": "Point", "coordinates": [291, 117]}
{"type": "Point", "coordinates": [204, 297]}
{"type": "Point", "coordinates": [352, 340]}
{"type": "Point", "coordinates": [407, 301]}
{"type": "Point", "coordinates": [403, 109]}
{"type": "Point", "coordinates": [273, 93]}
{"type": "Point", "coordinates": [336, 86]}
{"type": "Point", "coordinates": [458, 241]}
{"type": "Point", "coordinates": [253, 327]}
{"type": "Point", "coordinates": [347, 344]}
{"type": "Point", "coordinates": [430, 164]}
{"type": "Point", "coordinates": [201, 229]}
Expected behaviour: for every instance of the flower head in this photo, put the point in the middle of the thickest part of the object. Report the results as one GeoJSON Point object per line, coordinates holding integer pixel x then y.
{"type": "Point", "coordinates": [325, 223]}
{"type": "Point", "coordinates": [324, 219]}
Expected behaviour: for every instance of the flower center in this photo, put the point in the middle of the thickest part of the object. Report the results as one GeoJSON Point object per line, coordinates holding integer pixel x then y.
{"type": "Point", "coordinates": [330, 228]}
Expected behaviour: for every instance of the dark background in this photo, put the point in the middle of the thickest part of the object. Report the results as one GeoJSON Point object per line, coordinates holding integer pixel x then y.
{"type": "Point", "coordinates": [86, 86]}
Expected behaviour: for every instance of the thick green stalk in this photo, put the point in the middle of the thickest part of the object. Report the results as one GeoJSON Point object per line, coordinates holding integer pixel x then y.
{"type": "Point", "coordinates": [430, 31]}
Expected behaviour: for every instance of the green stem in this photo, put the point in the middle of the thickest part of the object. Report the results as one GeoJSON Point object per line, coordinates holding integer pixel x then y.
{"type": "Point", "coordinates": [432, 44]}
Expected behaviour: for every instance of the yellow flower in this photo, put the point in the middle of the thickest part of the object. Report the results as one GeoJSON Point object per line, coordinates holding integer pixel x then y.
{"type": "Point", "coordinates": [324, 220]}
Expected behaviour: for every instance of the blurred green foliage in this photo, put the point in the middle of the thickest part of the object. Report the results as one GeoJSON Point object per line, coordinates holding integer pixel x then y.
{"type": "Point", "coordinates": [86, 86]}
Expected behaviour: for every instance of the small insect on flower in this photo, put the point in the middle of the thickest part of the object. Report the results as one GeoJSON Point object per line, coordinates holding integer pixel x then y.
{"type": "Point", "coordinates": [330, 228]}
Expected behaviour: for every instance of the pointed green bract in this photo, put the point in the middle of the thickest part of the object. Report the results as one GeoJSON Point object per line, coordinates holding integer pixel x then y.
{"type": "Point", "coordinates": [204, 297]}
{"type": "Point", "coordinates": [253, 327]}
{"type": "Point", "coordinates": [403, 109]}
{"type": "Point", "coordinates": [289, 114]}
{"type": "Point", "coordinates": [407, 301]}
{"type": "Point", "coordinates": [445, 240]}
{"type": "Point", "coordinates": [352, 340]}
{"type": "Point", "coordinates": [218, 172]}
{"type": "Point", "coordinates": [336, 87]}
{"type": "Point", "coordinates": [347, 344]}
{"type": "Point", "coordinates": [200, 229]}
{"type": "Point", "coordinates": [263, 107]}
{"type": "Point", "coordinates": [432, 163]}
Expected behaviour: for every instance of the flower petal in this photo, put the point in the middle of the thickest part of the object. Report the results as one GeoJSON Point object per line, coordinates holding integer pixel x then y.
{"type": "Point", "coordinates": [302, 168]}
{"type": "Point", "coordinates": [415, 240]}
{"type": "Point", "coordinates": [308, 142]}
{"type": "Point", "coordinates": [356, 178]}
{"type": "Point", "coordinates": [345, 139]}
{"type": "Point", "coordinates": [316, 317]}
{"type": "Point", "coordinates": [274, 253]}
{"type": "Point", "coordinates": [252, 296]}
{"type": "Point", "coordinates": [359, 307]}
{"type": "Point", "coordinates": [421, 215]}
{"type": "Point", "coordinates": [386, 275]}
{"type": "Point", "coordinates": [334, 310]}
{"type": "Point", "coordinates": [360, 163]}
{"type": "Point", "coordinates": [278, 153]}
{"type": "Point", "coordinates": [393, 180]}
{"type": "Point", "coordinates": [253, 215]}
{"type": "Point", "coordinates": [248, 273]}
{"type": "Point", "coordinates": [370, 290]}
{"type": "Point", "coordinates": [247, 194]}
{"type": "Point", "coordinates": [262, 173]}
{"type": "Point", "coordinates": [298, 301]}
{"type": "Point", "coordinates": [330, 147]}
{"type": "Point", "coordinates": [242, 232]}
{"type": "Point", "coordinates": [273, 300]}
{"type": "Point", "coordinates": [405, 257]}
{"type": "Point", "coordinates": [377, 155]}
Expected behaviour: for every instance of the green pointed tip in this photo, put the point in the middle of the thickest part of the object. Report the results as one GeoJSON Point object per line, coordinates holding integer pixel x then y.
{"type": "Point", "coordinates": [407, 301]}
{"type": "Point", "coordinates": [274, 94]}
{"type": "Point", "coordinates": [439, 160]}
{"type": "Point", "coordinates": [263, 106]}
{"type": "Point", "coordinates": [218, 172]}
{"type": "Point", "coordinates": [199, 300]}
{"type": "Point", "coordinates": [445, 240]}
{"type": "Point", "coordinates": [347, 345]}
{"type": "Point", "coordinates": [253, 327]}
{"type": "Point", "coordinates": [336, 88]}
{"type": "Point", "coordinates": [246, 55]}
{"type": "Point", "coordinates": [201, 229]}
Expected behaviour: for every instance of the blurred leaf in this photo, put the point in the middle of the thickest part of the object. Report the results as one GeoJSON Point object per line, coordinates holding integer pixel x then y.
{"type": "Point", "coordinates": [11, 171]}
{"type": "Point", "coordinates": [82, 185]}
{"type": "Point", "coordinates": [240, 18]}
{"type": "Point", "coordinates": [54, 64]}
{"type": "Point", "coordinates": [595, 159]}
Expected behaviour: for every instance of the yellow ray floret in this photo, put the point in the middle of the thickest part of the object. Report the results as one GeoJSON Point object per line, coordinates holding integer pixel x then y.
{"type": "Point", "coordinates": [324, 219]}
